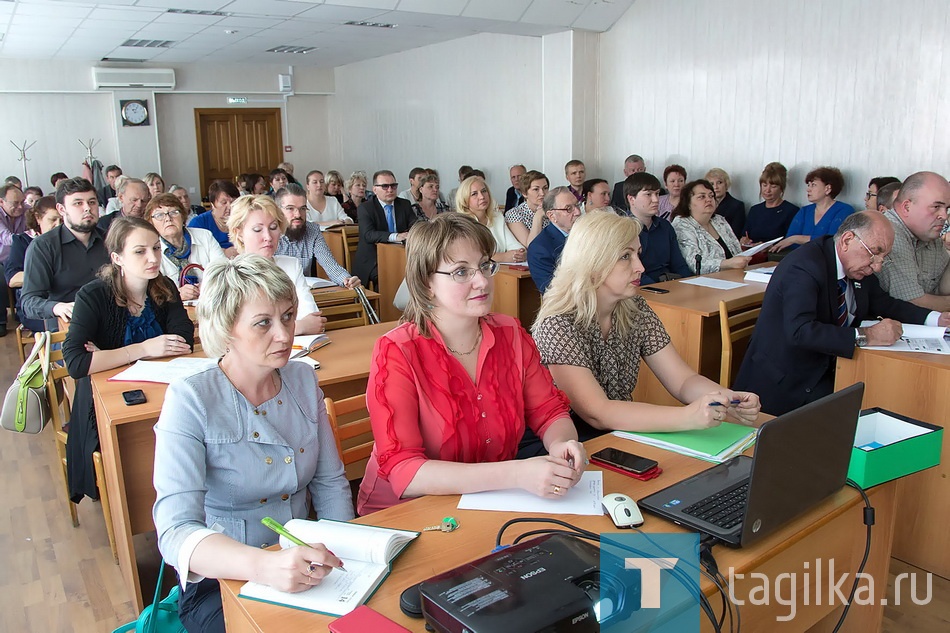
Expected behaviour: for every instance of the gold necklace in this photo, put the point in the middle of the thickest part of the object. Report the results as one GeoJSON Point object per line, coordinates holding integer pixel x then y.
{"type": "Point", "coordinates": [478, 339]}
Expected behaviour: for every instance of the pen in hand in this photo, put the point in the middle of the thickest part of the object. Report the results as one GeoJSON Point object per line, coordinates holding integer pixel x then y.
{"type": "Point", "coordinates": [719, 404]}
{"type": "Point", "coordinates": [280, 529]}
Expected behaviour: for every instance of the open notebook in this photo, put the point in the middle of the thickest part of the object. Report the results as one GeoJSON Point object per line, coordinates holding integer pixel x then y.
{"type": "Point", "coordinates": [366, 551]}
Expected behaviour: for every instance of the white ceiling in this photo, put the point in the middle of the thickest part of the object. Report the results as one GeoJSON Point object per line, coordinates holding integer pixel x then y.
{"type": "Point", "coordinates": [93, 29]}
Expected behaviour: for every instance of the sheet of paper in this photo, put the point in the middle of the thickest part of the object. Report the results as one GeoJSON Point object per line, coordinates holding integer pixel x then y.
{"type": "Point", "coordinates": [710, 282]}
{"type": "Point", "coordinates": [759, 248]}
{"type": "Point", "coordinates": [584, 498]}
{"type": "Point", "coordinates": [916, 338]}
{"type": "Point", "coordinates": [163, 371]}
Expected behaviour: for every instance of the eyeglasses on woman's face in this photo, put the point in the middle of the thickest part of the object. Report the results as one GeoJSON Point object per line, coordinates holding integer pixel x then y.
{"type": "Point", "coordinates": [465, 275]}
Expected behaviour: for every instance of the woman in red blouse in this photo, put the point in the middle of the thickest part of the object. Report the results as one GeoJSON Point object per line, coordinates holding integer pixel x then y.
{"type": "Point", "coordinates": [452, 389]}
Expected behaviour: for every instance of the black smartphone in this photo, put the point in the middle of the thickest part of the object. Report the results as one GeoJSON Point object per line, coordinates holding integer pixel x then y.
{"type": "Point", "coordinates": [624, 460]}
{"type": "Point", "coordinates": [136, 396]}
{"type": "Point", "coordinates": [659, 291]}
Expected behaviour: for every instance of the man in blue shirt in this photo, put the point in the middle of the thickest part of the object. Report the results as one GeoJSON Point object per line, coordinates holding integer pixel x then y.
{"type": "Point", "coordinates": [544, 251]}
{"type": "Point", "coordinates": [660, 253]}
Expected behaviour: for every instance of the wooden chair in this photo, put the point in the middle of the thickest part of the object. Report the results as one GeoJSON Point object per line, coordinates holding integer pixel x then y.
{"type": "Point", "coordinates": [737, 321]}
{"type": "Point", "coordinates": [59, 401]}
{"type": "Point", "coordinates": [351, 429]}
{"type": "Point", "coordinates": [342, 308]}
{"type": "Point", "coordinates": [24, 342]}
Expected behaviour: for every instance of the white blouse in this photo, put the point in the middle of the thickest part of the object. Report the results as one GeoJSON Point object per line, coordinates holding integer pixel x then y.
{"type": "Point", "coordinates": [305, 302]}
{"type": "Point", "coordinates": [333, 212]}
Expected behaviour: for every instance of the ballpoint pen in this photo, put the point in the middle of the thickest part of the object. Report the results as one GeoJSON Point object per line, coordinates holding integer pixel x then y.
{"type": "Point", "coordinates": [280, 529]}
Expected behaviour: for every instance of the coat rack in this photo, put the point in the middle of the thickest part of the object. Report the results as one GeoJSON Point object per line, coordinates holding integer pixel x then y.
{"type": "Point", "coordinates": [89, 146]}
{"type": "Point", "coordinates": [23, 159]}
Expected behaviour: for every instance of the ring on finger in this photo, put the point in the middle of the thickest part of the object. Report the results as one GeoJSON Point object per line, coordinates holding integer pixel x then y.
{"type": "Point", "coordinates": [557, 489]}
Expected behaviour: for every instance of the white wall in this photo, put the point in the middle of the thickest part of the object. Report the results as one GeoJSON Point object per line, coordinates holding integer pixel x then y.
{"type": "Point", "coordinates": [739, 83]}
{"type": "Point", "coordinates": [473, 101]}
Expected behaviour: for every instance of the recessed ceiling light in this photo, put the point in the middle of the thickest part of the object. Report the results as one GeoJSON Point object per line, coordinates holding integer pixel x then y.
{"type": "Point", "coordinates": [294, 50]}
{"type": "Point", "coordinates": [230, 31]}
{"type": "Point", "coordinates": [197, 12]}
{"type": "Point", "coordinates": [379, 25]}
{"type": "Point", "coordinates": [148, 43]}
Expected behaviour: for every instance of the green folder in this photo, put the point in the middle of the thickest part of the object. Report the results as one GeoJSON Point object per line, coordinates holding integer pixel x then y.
{"type": "Point", "coordinates": [717, 444]}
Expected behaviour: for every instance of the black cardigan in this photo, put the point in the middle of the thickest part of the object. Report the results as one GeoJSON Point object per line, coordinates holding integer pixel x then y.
{"type": "Point", "coordinates": [97, 318]}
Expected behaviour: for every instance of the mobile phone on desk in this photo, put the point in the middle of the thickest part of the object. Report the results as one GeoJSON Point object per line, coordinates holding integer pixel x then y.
{"type": "Point", "coordinates": [624, 462]}
{"type": "Point", "coordinates": [653, 289]}
{"type": "Point", "coordinates": [362, 619]}
{"type": "Point", "coordinates": [136, 396]}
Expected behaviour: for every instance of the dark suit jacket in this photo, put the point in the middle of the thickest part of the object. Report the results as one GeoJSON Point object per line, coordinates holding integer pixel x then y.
{"type": "Point", "coordinates": [513, 198]}
{"type": "Point", "coordinates": [791, 358]}
{"type": "Point", "coordinates": [544, 251]}
{"type": "Point", "coordinates": [617, 199]}
{"type": "Point", "coordinates": [373, 230]}
{"type": "Point", "coordinates": [733, 211]}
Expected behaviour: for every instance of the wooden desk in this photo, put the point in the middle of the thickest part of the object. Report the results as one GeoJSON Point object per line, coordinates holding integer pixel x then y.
{"type": "Point", "coordinates": [127, 440]}
{"type": "Point", "coordinates": [918, 386]}
{"type": "Point", "coordinates": [516, 295]}
{"type": "Point", "coordinates": [342, 242]}
{"type": "Point", "coordinates": [691, 317]}
{"type": "Point", "coordinates": [391, 266]}
{"type": "Point", "coordinates": [832, 530]}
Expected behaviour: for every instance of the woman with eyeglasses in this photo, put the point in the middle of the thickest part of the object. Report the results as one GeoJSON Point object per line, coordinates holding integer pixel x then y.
{"type": "Point", "coordinates": [824, 215]}
{"type": "Point", "coordinates": [874, 186]}
{"type": "Point", "coordinates": [474, 199]}
{"type": "Point", "coordinates": [453, 388]}
{"type": "Point", "coordinates": [705, 238]}
{"type": "Point", "coordinates": [593, 330]}
{"type": "Point", "coordinates": [181, 247]}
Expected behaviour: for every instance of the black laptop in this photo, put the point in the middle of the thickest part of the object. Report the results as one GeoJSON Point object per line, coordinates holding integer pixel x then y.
{"type": "Point", "coordinates": [800, 458]}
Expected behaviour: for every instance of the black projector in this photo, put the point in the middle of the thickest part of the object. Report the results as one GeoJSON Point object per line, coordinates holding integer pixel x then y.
{"type": "Point", "coordinates": [549, 583]}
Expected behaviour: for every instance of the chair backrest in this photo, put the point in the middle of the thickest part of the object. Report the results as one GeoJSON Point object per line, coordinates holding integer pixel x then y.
{"type": "Point", "coordinates": [342, 308]}
{"type": "Point", "coordinates": [737, 320]}
{"type": "Point", "coordinates": [349, 419]}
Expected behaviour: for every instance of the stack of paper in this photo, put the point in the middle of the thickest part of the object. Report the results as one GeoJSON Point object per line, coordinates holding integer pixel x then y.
{"type": "Point", "coordinates": [712, 282]}
{"type": "Point", "coordinates": [585, 498]}
{"type": "Point", "coordinates": [163, 371]}
{"type": "Point", "coordinates": [319, 282]}
{"type": "Point", "coordinates": [758, 248]}
{"type": "Point", "coordinates": [760, 275]}
{"type": "Point", "coordinates": [916, 338]}
{"type": "Point", "coordinates": [717, 445]}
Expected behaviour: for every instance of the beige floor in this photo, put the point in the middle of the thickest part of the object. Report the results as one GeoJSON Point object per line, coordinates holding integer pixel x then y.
{"type": "Point", "coordinates": [54, 577]}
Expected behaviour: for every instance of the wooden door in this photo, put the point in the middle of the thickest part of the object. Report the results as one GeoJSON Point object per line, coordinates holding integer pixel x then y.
{"type": "Point", "coordinates": [232, 141]}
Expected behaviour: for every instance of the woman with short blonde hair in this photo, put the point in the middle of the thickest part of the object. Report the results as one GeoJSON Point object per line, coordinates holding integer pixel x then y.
{"type": "Point", "coordinates": [473, 198]}
{"type": "Point", "coordinates": [355, 193]}
{"type": "Point", "coordinates": [255, 226]}
{"type": "Point", "coordinates": [594, 328]}
{"type": "Point", "coordinates": [156, 184]}
{"type": "Point", "coordinates": [727, 206]}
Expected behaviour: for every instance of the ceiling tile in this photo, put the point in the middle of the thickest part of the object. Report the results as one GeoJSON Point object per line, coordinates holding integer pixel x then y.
{"type": "Point", "coordinates": [109, 14]}
{"type": "Point", "coordinates": [600, 15]}
{"type": "Point", "coordinates": [511, 10]}
{"type": "Point", "coordinates": [175, 32]}
{"type": "Point", "coordinates": [372, 4]}
{"type": "Point", "coordinates": [181, 18]}
{"type": "Point", "coordinates": [38, 22]}
{"type": "Point", "coordinates": [248, 23]}
{"type": "Point", "coordinates": [125, 29]}
{"type": "Point", "coordinates": [442, 7]}
{"type": "Point", "coordinates": [269, 8]}
{"type": "Point", "coordinates": [556, 12]}
{"type": "Point", "coordinates": [200, 5]}
{"type": "Point", "coordinates": [48, 10]}
{"type": "Point", "coordinates": [339, 15]}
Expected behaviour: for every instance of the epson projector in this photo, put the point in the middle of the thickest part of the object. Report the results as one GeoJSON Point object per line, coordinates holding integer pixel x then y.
{"type": "Point", "coordinates": [550, 583]}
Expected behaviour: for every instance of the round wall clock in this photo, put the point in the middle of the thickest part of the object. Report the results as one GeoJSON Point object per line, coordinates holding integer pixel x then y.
{"type": "Point", "coordinates": [134, 112]}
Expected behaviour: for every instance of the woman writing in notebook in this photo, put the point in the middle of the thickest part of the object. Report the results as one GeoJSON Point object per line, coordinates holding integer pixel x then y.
{"type": "Point", "coordinates": [244, 439]}
{"type": "Point", "coordinates": [453, 388]}
{"type": "Point", "coordinates": [594, 328]}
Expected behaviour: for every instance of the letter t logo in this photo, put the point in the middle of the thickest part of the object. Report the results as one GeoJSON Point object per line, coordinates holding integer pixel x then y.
{"type": "Point", "coordinates": [650, 578]}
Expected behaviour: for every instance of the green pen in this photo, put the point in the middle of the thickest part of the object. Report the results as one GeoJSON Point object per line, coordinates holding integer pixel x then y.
{"type": "Point", "coordinates": [280, 529]}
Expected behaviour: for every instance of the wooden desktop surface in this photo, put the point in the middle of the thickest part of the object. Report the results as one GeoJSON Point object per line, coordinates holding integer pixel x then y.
{"type": "Point", "coordinates": [917, 386]}
{"type": "Point", "coordinates": [127, 440]}
{"type": "Point", "coordinates": [690, 315]}
{"type": "Point", "coordinates": [832, 530]}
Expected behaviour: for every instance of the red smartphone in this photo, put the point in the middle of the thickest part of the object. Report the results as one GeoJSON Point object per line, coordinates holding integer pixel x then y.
{"type": "Point", "coordinates": [627, 463]}
{"type": "Point", "coordinates": [363, 619]}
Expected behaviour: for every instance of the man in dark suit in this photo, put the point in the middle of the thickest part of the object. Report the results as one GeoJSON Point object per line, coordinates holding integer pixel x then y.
{"type": "Point", "coordinates": [385, 218]}
{"type": "Point", "coordinates": [544, 251]}
{"type": "Point", "coordinates": [632, 165]}
{"type": "Point", "coordinates": [813, 307]}
{"type": "Point", "coordinates": [133, 196]}
{"type": "Point", "coordinates": [514, 196]}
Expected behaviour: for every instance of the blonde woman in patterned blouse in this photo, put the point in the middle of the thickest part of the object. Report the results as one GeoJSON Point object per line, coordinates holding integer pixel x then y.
{"type": "Point", "coordinates": [593, 329]}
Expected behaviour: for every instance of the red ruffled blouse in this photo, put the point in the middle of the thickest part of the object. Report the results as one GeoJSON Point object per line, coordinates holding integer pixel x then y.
{"type": "Point", "coordinates": [423, 404]}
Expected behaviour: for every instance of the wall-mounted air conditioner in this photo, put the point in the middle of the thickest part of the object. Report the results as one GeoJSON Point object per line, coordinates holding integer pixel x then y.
{"type": "Point", "coordinates": [152, 78]}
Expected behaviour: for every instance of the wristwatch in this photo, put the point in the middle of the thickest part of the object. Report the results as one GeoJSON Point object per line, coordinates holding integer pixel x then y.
{"type": "Point", "coordinates": [861, 339]}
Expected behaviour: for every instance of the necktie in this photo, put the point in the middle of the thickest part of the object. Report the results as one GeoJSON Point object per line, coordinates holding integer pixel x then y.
{"type": "Point", "coordinates": [390, 219]}
{"type": "Point", "coordinates": [842, 302]}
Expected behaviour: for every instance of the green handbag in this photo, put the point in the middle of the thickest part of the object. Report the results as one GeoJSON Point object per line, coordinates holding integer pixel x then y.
{"type": "Point", "coordinates": [159, 617]}
{"type": "Point", "coordinates": [26, 404]}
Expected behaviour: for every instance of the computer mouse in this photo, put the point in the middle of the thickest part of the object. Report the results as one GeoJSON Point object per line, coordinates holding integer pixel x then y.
{"type": "Point", "coordinates": [622, 510]}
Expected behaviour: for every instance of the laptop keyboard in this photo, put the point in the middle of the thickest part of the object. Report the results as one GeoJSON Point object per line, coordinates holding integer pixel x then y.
{"type": "Point", "coordinates": [723, 509]}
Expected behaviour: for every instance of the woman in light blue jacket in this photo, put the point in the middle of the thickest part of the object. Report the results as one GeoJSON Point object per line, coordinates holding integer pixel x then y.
{"type": "Point", "coordinates": [244, 439]}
